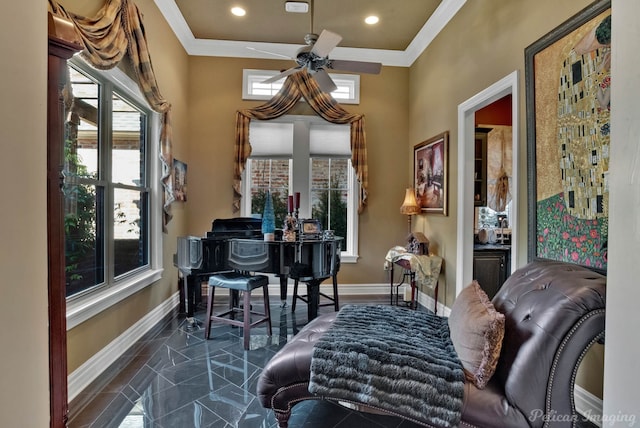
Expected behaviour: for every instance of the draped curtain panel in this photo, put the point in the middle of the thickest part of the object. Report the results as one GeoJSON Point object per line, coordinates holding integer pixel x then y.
{"type": "Point", "coordinates": [117, 30]}
{"type": "Point", "coordinates": [297, 85]}
{"type": "Point", "coordinates": [499, 166]}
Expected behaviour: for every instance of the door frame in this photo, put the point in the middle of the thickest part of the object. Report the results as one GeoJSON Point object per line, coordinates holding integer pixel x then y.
{"type": "Point", "coordinates": [508, 85]}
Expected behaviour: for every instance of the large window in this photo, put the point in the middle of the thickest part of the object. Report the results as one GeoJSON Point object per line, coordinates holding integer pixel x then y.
{"type": "Point", "coordinates": [307, 155]}
{"type": "Point", "coordinates": [110, 185]}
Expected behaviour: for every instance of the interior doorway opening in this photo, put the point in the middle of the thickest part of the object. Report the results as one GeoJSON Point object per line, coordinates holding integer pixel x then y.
{"type": "Point", "coordinates": [466, 165]}
{"type": "Point", "coordinates": [492, 181]}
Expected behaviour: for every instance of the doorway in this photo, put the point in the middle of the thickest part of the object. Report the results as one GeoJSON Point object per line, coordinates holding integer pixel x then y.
{"type": "Point", "coordinates": [466, 153]}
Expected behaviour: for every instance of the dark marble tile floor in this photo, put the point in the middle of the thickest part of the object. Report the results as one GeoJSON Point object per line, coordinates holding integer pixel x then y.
{"type": "Point", "coordinates": [174, 378]}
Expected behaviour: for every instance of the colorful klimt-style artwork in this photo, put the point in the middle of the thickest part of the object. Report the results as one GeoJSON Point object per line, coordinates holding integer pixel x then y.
{"type": "Point", "coordinates": [572, 148]}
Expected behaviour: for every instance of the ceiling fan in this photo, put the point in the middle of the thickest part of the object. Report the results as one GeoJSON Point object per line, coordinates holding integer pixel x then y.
{"type": "Point", "coordinates": [315, 58]}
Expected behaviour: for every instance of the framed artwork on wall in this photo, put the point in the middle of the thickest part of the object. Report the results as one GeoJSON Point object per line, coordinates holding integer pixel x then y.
{"type": "Point", "coordinates": [430, 172]}
{"type": "Point", "coordinates": [568, 79]}
{"type": "Point", "coordinates": [179, 180]}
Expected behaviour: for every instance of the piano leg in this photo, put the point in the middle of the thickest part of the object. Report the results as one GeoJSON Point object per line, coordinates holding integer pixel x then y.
{"type": "Point", "coordinates": [284, 279]}
{"type": "Point", "coordinates": [191, 300]}
{"type": "Point", "coordinates": [181, 293]}
{"type": "Point", "coordinates": [313, 294]}
{"type": "Point", "coordinates": [191, 295]}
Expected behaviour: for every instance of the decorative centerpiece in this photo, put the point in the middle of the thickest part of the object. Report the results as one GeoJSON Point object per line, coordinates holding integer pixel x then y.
{"type": "Point", "coordinates": [290, 226]}
{"type": "Point", "coordinates": [268, 219]}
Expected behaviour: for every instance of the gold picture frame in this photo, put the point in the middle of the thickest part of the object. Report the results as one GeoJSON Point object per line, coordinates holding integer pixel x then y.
{"type": "Point", "coordinates": [430, 174]}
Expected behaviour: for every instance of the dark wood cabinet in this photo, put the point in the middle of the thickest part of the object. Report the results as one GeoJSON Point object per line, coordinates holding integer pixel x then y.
{"type": "Point", "coordinates": [491, 269]}
{"type": "Point", "coordinates": [480, 167]}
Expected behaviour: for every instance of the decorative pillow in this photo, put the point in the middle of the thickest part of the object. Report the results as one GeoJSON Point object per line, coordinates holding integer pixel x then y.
{"type": "Point", "coordinates": [477, 330]}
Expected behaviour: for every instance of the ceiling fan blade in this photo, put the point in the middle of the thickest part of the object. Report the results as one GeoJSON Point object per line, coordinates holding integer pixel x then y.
{"type": "Point", "coordinates": [326, 42]}
{"type": "Point", "coordinates": [269, 53]}
{"type": "Point", "coordinates": [324, 81]}
{"type": "Point", "coordinates": [356, 66]}
{"type": "Point", "coordinates": [281, 75]}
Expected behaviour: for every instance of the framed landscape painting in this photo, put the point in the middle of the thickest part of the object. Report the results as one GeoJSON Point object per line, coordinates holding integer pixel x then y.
{"type": "Point", "coordinates": [568, 83]}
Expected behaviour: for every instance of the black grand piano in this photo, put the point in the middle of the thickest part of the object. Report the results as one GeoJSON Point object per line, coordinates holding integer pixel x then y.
{"type": "Point", "coordinates": [237, 244]}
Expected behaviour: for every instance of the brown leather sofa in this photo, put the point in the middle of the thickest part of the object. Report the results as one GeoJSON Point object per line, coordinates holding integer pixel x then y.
{"type": "Point", "coordinates": [554, 312]}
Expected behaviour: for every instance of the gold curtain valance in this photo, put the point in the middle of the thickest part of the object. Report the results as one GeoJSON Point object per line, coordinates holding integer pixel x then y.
{"type": "Point", "coordinates": [116, 30]}
{"type": "Point", "coordinates": [297, 85]}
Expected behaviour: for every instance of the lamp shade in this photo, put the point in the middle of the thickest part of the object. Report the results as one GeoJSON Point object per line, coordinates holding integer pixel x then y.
{"type": "Point", "coordinates": [410, 205]}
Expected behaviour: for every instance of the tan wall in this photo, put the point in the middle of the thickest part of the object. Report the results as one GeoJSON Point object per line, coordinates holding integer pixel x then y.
{"type": "Point", "coordinates": [24, 395]}
{"type": "Point", "coordinates": [215, 94]}
{"type": "Point", "coordinates": [171, 67]}
{"type": "Point", "coordinates": [483, 43]}
{"type": "Point", "coordinates": [507, 27]}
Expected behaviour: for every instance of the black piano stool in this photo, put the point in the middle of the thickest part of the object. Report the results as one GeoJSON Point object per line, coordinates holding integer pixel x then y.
{"type": "Point", "coordinates": [234, 282]}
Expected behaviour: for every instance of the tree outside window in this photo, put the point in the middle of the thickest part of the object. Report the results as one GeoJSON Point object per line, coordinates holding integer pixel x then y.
{"type": "Point", "coordinates": [329, 192]}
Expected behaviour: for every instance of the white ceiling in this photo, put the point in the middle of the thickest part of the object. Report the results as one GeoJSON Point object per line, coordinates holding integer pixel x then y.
{"type": "Point", "coordinates": [205, 27]}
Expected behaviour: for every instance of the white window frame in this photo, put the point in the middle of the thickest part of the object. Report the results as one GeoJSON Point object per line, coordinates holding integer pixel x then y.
{"type": "Point", "coordinates": [349, 252]}
{"type": "Point", "coordinates": [89, 304]}
{"type": "Point", "coordinates": [351, 241]}
{"type": "Point", "coordinates": [252, 78]}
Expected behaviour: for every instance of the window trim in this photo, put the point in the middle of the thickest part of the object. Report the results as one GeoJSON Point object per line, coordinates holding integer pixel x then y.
{"type": "Point", "coordinates": [352, 202]}
{"type": "Point", "coordinates": [87, 305]}
{"type": "Point", "coordinates": [350, 241]}
{"type": "Point", "coordinates": [249, 74]}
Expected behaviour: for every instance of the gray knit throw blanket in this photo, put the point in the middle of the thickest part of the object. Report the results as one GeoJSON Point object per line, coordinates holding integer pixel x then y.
{"type": "Point", "coordinates": [395, 359]}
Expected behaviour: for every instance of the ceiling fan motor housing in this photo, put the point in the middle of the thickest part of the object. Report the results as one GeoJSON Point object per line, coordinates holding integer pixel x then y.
{"type": "Point", "coordinates": [306, 58]}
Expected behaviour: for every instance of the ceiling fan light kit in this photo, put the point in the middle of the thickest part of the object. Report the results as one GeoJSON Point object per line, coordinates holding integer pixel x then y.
{"type": "Point", "coordinates": [296, 7]}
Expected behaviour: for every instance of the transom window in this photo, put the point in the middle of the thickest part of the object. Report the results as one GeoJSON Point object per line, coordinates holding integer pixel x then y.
{"type": "Point", "coordinates": [348, 91]}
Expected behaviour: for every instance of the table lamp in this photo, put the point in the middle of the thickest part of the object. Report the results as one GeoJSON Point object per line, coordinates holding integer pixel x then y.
{"type": "Point", "coordinates": [410, 205]}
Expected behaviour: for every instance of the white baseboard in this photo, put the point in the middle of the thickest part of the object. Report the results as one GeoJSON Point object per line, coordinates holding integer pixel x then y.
{"type": "Point", "coordinates": [94, 366]}
{"type": "Point", "coordinates": [428, 302]}
{"type": "Point", "coordinates": [588, 405]}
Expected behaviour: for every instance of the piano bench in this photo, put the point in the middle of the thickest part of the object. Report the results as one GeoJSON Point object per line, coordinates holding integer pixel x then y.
{"type": "Point", "coordinates": [234, 282]}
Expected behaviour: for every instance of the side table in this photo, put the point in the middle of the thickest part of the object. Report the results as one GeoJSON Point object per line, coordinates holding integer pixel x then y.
{"type": "Point", "coordinates": [404, 261]}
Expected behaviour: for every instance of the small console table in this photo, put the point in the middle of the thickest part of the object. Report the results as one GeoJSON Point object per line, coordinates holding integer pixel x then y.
{"type": "Point", "coordinates": [417, 270]}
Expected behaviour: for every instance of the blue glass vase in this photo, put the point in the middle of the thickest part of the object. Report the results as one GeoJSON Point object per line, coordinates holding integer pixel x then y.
{"type": "Point", "coordinates": [268, 219]}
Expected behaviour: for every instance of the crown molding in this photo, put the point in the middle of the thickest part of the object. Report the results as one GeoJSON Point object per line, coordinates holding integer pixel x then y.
{"type": "Point", "coordinates": [229, 48]}
{"type": "Point", "coordinates": [440, 18]}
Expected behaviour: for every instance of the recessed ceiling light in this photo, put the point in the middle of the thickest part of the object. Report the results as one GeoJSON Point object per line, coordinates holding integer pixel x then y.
{"type": "Point", "coordinates": [238, 11]}
{"type": "Point", "coordinates": [371, 19]}
{"type": "Point", "coordinates": [296, 6]}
